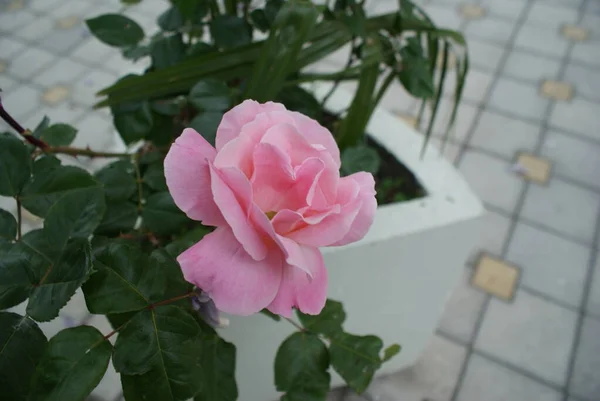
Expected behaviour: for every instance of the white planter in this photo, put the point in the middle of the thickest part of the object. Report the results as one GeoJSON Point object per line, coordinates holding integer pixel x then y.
{"type": "Point", "coordinates": [393, 283]}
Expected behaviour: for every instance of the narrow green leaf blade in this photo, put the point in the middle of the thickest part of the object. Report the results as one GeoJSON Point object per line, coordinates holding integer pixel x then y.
{"type": "Point", "coordinates": [15, 165]}
{"type": "Point", "coordinates": [73, 364]}
{"type": "Point", "coordinates": [210, 95]}
{"type": "Point", "coordinates": [22, 344]}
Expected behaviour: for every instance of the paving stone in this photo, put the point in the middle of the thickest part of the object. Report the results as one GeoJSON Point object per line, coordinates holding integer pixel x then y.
{"type": "Point", "coordinates": [577, 116]}
{"type": "Point", "coordinates": [495, 276]}
{"type": "Point", "coordinates": [519, 99]}
{"type": "Point", "coordinates": [585, 381]}
{"type": "Point", "coordinates": [533, 168]}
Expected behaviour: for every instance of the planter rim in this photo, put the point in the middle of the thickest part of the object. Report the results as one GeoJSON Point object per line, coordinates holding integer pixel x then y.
{"type": "Point", "coordinates": [449, 198]}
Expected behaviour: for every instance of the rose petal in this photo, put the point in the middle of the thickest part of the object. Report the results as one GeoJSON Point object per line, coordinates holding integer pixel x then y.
{"type": "Point", "coordinates": [273, 177]}
{"type": "Point", "coordinates": [297, 288]}
{"type": "Point", "coordinates": [286, 137]}
{"type": "Point", "coordinates": [233, 121]}
{"type": "Point", "coordinates": [366, 213]}
{"type": "Point", "coordinates": [233, 195]}
{"type": "Point", "coordinates": [235, 282]}
{"type": "Point", "coordinates": [188, 177]}
{"type": "Point", "coordinates": [316, 134]}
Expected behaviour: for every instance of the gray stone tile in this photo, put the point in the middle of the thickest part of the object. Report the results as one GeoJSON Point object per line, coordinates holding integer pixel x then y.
{"type": "Point", "coordinates": [61, 41]}
{"type": "Point", "coordinates": [94, 132]}
{"type": "Point", "coordinates": [85, 89]}
{"type": "Point", "coordinates": [462, 310]}
{"type": "Point", "coordinates": [64, 71]}
{"type": "Point", "coordinates": [119, 65]}
{"type": "Point", "coordinates": [489, 381]}
{"type": "Point", "coordinates": [572, 157]}
{"type": "Point", "coordinates": [36, 30]}
{"type": "Point", "coordinates": [29, 62]}
{"type": "Point", "coordinates": [43, 5]}
{"type": "Point", "coordinates": [67, 9]}
{"type": "Point", "coordinates": [476, 87]}
{"type": "Point", "coordinates": [492, 180]}
{"type": "Point", "coordinates": [92, 51]}
{"type": "Point", "coordinates": [492, 235]}
{"type": "Point", "coordinates": [21, 101]}
{"type": "Point", "coordinates": [63, 113]}
{"type": "Point", "coordinates": [530, 333]}
{"type": "Point", "coordinates": [504, 136]}
{"type": "Point", "coordinates": [593, 301]}
{"type": "Point", "coordinates": [7, 83]}
{"type": "Point", "coordinates": [542, 39]}
{"type": "Point", "coordinates": [586, 81]}
{"type": "Point", "coordinates": [449, 150]}
{"type": "Point", "coordinates": [591, 20]}
{"type": "Point", "coordinates": [337, 394]}
{"type": "Point", "coordinates": [509, 9]}
{"type": "Point", "coordinates": [465, 116]}
{"type": "Point", "coordinates": [11, 20]}
{"type": "Point", "coordinates": [494, 30]}
{"type": "Point", "coordinates": [519, 99]}
{"type": "Point", "coordinates": [534, 68]}
{"type": "Point", "coordinates": [564, 207]}
{"type": "Point", "coordinates": [585, 381]}
{"type": "Point", "coordinates": [587, 52]}
{"type": "Point", "coordinates": [562, 3]}
{"type": "Point", "coordinates": [433, 377]}
{"type": "Point", "coordinates": [578, 116]}
{"type": "Point", "coordinates": [396, 98]}
{"type": "Point", "coordinates": [550, 265]}
{"type": "Point", "coordinates": [443, 16]}
{"type": "Point", "coordinates": [485, 55]}
{"type": "Point", "coordinates": [551, 15]}
{"type": "Point", "coordinates": [592, 7]}
{"type": "Point", "coordinates": [10, 47]}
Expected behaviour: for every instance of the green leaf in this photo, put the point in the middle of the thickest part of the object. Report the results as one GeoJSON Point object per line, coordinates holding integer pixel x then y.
{"type": "Point", "coordinates": [127, 280]}
{"type": "Point", "coordinates": [356, 358]}
{"type": "Point", "coordinates": [416, 75]}
{"type": "Point", "coordinates": [301, 365]}
{"type": "Point", "coordinates": [328, 322]}
{"type": "Point", "coordinates": [116, 30]}
{"type": "Point", "coordinates": [120, 217]}
{"type": "Point", "coordinates": [161, 215]}
{"type": "Point", "coordinates": [206, 124]}
{"type": "Point", "coordinates": [192, 10]}
{"type": "Point", "coordinates": [218, 368]}
{"type": "Point", "coordinates": [58, 135]}
{"type": "Point", "coordinates": [167, 51]}
{"type": "Point", "coordinates": [15, 165]}
{"type": "Point", "coordinates": [210, 95]}
{"type": "Point", "coordinates": [163, 129]}
{"type": "Point", "coordinates": [360, 158]}
{"type": "Point", "coordinates": [118, 181]}
{"type": "Point", "coordinates": [260, 20]}
{"type": "Point", "coordinates": [135, 52]}
{"type": "Point", "coordinates": [199, 48]}
{"type": "Point", "coordinates": [8, 225]}
{"type": "Point", "coordinates": [188, 239]}
{"type": "Point", "coordinates": [41, 127]}
{"type": "Point", "coordinates": [75, 215]}
{"type": "Point", "coordinates": [170, 20]}
{"type": "Point", "coordinates": [154, 177]}
{"type": "Point", "coordinates": [44, 164]}
{"type": "Point", "coordinates": [48, 186]}
{"type": "Point", "coordinates": [19, 268]}
{"type": "Point", "coordinates": [22, 344]}
{"type": "Point", "coordinates": [62, 277]}
{"type": "Point", "coordinates": [73, 364]}
{"type": "Point", "coordinates": [230, 31]}
{"type": "Point", "coordinates": [162, 349]}
{"type": "Point", "coordinates": [391, 352]}
{"type": "Point", "coordinates": [133, 121]}
{"type": "Point", "coordinates": [298, 99]}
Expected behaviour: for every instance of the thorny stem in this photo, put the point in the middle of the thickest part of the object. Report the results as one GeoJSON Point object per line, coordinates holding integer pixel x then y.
{"type": "Point", "coordinates": [45, 148]}
{"type": "Point", "coordinates": [138, 179]}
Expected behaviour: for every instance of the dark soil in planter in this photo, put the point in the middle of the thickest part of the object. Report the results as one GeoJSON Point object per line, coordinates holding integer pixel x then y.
{"type": "Point", "coordinates": [393, 182]}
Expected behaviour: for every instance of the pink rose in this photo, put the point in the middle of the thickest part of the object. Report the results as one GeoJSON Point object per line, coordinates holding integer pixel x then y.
{"type": "Point", "coordinates": [273, 190]}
